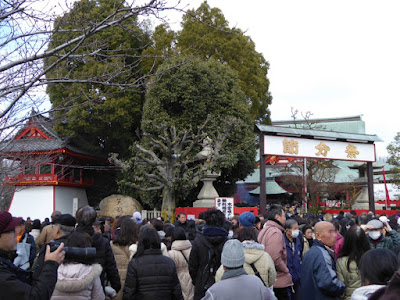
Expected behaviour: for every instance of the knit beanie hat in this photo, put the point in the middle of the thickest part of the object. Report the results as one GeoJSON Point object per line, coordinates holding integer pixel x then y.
{"type": "Point", "coordinates": [232, 254]}
{"type": "Point", "coordinates": [247, 219]}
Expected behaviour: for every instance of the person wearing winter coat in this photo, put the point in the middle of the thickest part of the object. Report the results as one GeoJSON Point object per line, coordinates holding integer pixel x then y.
{"type": "Point", "coordinates": [180, 253]}
{"type": "Point", "coordinates": [254, 254]}
{"type": "Point", "coordinates": [271, 236]}
{"type": "Point", "coordinates": [205, 257]}
{"type": "Point", "coordinates": [151, 275]}
{"type": "Point", "coordinates": [377, 267]}
{"type": "Point", "coordinates": [15, 283]}
{"type": "Point", "coordinates": [127, 236]}
{"type": "Point", "coordinates": [86, 216]}
{"type": "Point", "coordinates": [78, 277]}
{"type": "Point", "coordinates": [35, 232]}
{"type": "Point", "coordinates": [318, 271]}
{"type": "Point", "coordinates": [339, 240]}
{"type": "Point", "coordinates": [294, 250]}
{"type": "Point", "coordinates": [236, 284]}
{"type": "Point", "coordinates": [159, 226]}
{"type": "Point", "coordinates": [355, 245]}
{"type": "Point", "coordinates": [26, 248]}
{"type": "Point", "coordinates": [377, 239]}
{"type": "Point", "coordinates": [308, 237]}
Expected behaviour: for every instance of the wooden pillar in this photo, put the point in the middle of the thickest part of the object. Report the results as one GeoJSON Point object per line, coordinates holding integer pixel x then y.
{"type": "Point", "coordinates": [370, 176]}
{"type": "Point", "coordinates": [263, 192]}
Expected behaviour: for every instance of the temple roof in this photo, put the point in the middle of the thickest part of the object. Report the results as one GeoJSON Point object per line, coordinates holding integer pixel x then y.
{"type": "Point", "coordinates": [38, 135]}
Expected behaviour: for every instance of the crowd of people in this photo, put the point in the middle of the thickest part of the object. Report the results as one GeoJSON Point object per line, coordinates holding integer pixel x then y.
{"type": "Point", "coordinates": [281, 255]}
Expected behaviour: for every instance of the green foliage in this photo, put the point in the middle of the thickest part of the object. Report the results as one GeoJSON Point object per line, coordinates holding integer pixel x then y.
{"type": "Point", "coordinates": [185, 95]}
{"type": "Point", "coordinates": [394, 156]}
{"type": "Point", "coordinates": [98, 100]}
{"type": "Point", "coordinates": [206, 34]}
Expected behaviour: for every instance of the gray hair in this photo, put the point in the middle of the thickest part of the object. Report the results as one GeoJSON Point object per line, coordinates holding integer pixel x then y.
{"type": "Point", "coordinates": [327, 217]}
{"type": "Point", "coordinates": [86, 216]}
{"type": "Point", "coordinates": [289, 223]}
{"type": "Point", "coordinates": [65, 230]}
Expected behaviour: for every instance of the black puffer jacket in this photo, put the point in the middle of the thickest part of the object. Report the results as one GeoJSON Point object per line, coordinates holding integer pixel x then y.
{"type": "Point", "coordinates": [152, 276]}
{"type": "Point", "coordinates": [12, 286]}
{"type": "Point", "coordinates": [104, 257]}
{"type": "Point", "coordinates": [213, 238]}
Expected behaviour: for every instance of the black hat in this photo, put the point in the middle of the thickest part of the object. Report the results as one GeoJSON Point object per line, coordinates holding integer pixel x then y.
{"type": "Point", "coordinates": [66, 220]}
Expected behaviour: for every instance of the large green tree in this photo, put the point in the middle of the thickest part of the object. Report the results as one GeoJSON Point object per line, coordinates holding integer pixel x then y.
{"type": "Point", "coordinates": [98, 96]}
{"type": "Point", "coordinates": [206, 34]}
{"type": "Point", "coordinates": [394, 156]}
{"type": "Point", "coordinates": [182, 99]}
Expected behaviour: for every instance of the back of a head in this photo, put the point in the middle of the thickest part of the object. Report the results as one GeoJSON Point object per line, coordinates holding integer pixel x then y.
{"type": "Point", "coordinates": [178, 234]}
{"type": "Point", "coordinates": [327, 217]}
{"type": "Point", "coordinates": [148, 239]}
{"type": "Point", "coordinates": [157, 224]}
{"type": "Point", "coordinates": [247, 234]}
{"type": "Point", "coordinates": [355, 244]}
{"type": "Point", "coordinates": [86, 216]}
{"type": "Point", "coordinates": [214, 217]}
{"type": "Point", "coordinates": [78, 239]}
{"type": "Point", "coordinates": [232, 256]}
{"type": "Point", "coordinates": [36, 224]}
{"type": "Point", "coordinates": [55, 214]}
{"type": "Point", "coordinates": [377, 266]}
{"type": "Point", "coordinates": [128, 232]}
{"type": "Point", "coordinates": [276, 209]}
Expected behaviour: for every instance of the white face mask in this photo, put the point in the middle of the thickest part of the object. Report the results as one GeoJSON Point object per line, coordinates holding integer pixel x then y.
{"type": "Point", "coordinates": [230, 234]}
{"type": "Point", "coordinates": [295, 233]}
{"type": "Point", "coordinates": [374, 234]}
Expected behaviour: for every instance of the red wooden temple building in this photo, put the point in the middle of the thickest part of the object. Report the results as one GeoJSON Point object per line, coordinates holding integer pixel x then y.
{"type": "Point", "coordinates": [48, 174]}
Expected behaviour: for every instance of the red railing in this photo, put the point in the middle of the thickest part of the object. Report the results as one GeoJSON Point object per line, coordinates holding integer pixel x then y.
{"type": "Point", "coordinates": [47, 179]}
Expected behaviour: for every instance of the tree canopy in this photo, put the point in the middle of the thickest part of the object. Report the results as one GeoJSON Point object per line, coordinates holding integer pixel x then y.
{"type": "Point", "coordinates": [394, 156]}
{"type": "Point", "coordinates": [99, 96]}
{"type": "Point", "coordinates": [183, 98]}
{"type": "Point", "coordinates": [206, 34]}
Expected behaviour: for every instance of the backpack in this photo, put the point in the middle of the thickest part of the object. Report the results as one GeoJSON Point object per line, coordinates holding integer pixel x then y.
{"type": "Point", "coordinates": [210, 269]}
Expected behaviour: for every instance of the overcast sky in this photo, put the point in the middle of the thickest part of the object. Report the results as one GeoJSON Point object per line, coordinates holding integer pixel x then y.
{"type": "Point", "coordinates": [333, 58]}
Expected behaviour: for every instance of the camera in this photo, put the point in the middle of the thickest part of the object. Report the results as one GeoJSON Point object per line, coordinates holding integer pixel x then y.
{"type": "Point", "coordinates": [83, 253]}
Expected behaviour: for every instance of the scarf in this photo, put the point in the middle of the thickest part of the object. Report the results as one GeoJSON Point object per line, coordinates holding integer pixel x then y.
{"type": "Point", "coordinates": [214, 231]}
{"type": "Point", "coordinates": [229, 273]}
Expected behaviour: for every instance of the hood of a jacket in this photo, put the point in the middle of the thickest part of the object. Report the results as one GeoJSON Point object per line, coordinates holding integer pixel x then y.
{"type": "Point", "coordinates": [181, 245]}
{"type": "Point", "coordinates": [363, 293]}
{"type": "Point", "coordinates": [76, 277]}
{"type": "Point", "coordinates": [253, 251]}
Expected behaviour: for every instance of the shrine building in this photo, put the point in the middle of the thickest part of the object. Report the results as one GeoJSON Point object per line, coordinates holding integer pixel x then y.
{"type": "Point", "coordinates": [46, 172]}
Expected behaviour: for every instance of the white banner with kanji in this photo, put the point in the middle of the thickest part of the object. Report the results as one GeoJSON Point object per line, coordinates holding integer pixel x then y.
{"type": "Point", "coordinates": [225, 204]}
{"type": "Point", "coordinates": [313, 148]}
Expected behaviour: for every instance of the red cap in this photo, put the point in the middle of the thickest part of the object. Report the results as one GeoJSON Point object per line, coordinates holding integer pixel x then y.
{"type": "Point", "coordinates": [7, 222]}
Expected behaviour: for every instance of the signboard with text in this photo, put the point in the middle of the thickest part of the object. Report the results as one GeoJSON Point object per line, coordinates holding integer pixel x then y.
{"type": "Point", "coordinates": [225, 204]}
{"type": "Point", "coordinates": [313, 148]}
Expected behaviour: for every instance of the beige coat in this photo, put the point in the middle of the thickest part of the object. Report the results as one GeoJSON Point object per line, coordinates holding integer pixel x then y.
{"type": "Point", "coordinates": [351, 279]}
{"type": "Point", "coordinates": [255, 254]}
{"type": "Point", "coordinates": [46, 235]}
{"type": "Point", "coordinates": [179, 249]}
{"type": "Point", "coordinates": [272, 238]}
{"type": "Point", "coordinates": [78, 282]}
{"type": "Point", "coordinates": [122, 258]}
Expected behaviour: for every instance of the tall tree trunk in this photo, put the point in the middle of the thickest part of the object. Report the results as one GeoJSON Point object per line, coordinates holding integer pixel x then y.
{"type": "Point", "coordinates": [168, 205]}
